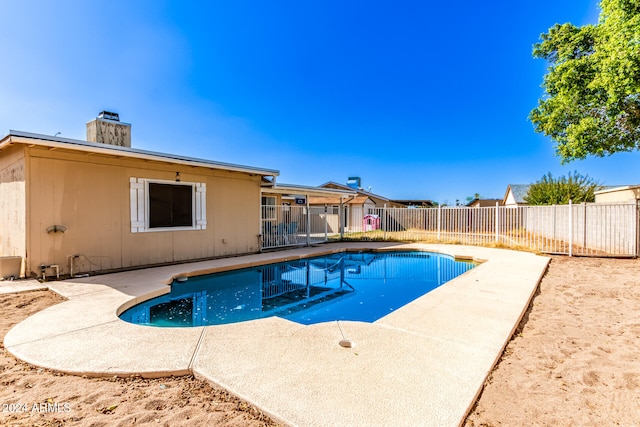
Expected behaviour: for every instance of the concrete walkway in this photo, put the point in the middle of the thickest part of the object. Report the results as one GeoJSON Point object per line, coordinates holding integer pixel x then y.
{"type": "Point", "coordinates": [22, 285]}
{"type": "Point", "coordinates": [423, 364]}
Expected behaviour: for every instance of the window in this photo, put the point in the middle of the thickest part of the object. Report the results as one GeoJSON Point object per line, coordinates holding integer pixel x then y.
{"type": "Point", "coordinates": [167, 205]}
{"type": "Point", "coordinates": [170, 205]}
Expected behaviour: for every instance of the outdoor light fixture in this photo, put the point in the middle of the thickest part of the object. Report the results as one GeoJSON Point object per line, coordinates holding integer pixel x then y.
{"type": "Point", "coordinates": [177, 176]}
{"type": "Point", "coordinates": [56, 229]}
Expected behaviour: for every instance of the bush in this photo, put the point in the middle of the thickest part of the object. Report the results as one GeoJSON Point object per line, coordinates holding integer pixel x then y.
{"type": "Point", "coordinates": [574, 187]}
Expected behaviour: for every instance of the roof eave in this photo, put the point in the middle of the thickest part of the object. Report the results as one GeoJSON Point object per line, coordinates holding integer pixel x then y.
{"type": "Point", "coordinates": [306, 190]}
{"type": "Point", "coordinates": [19, 137]}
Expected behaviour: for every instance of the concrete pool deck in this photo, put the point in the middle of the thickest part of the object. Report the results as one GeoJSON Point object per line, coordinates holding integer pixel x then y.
{"type": "Point", "coordinates": [423, 364]}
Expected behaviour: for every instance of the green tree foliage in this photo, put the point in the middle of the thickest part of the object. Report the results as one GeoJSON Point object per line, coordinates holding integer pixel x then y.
{"type": "Point", "coordinates": [470, 199]}
{"type": "Point", "coordinates": [592, 100]}
{"type": "Point", "coordinates": [574, 187]}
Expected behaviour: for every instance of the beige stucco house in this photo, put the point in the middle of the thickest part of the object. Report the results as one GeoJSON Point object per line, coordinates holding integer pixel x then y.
{"type": "Point", "coordinates": [515, 194]}
{"type": "Point", "coordinates": [72, 206]}
{"type": "Point", "coordinates": [365, 196]}
{"type": "Point", "coordinates": [484, 203]}
{"type": "Point", "coordinates": [623, 194]}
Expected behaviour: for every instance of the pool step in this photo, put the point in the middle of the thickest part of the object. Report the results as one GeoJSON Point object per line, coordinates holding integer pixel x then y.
{"type": "Point", "coordinates": [300, 300]}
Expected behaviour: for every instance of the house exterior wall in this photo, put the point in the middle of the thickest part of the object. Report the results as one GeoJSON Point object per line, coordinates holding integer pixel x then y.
{"type": "Point", "coordinates": [90, 195]}
{"type": "Point", "coordinates": [13, 238]}
{"type": "Point", "coordinates": [623, 195]}
{"type": "Point", "coordinates": [510, 201]}
{"type": "Point", "coordinates": [356, 213]}
{"type": "Point", "coordinates": [485, 203]}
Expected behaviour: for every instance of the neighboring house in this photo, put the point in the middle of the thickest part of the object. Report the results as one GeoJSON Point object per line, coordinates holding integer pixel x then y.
{"type": "Point", "coordinates": [356, 206]}
{"type": "Point", "coordinates": [415, 203]}
{"type": "Point", "coordinates": [377, 200]}
{"type": "Point", "coordinates": [291, 194]}
{"type": "Point", "coordinates": [290, 206]}
{"type": "Point", "coordinates": [73, 206]}
{"type": "Point", "coordinates": [484, 203]}
{"type": "Point", "coordinates": [627, 193]}
{"type": "Point", "coordinates": [515, 195]}
{"type": "Point", "coordinates": [361, 203]}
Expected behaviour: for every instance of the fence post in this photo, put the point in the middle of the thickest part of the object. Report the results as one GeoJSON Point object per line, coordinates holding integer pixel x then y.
{"type": "Point", "coordinates": [341, 220]}
{"type": "Point", "coordinates": [439, 219]}
{"type": "Point", "coordinates": [555, 209]}
{"type": "Point", "coordinates": [308, 221]}
{"type": "Point", "coordinates": [637, 228]}
{"type": "Point", "coordinates": [326, 223]}
{"type": "Point", "coordinates": [497, 222]}
{"type": "Point", "coordinates": [384, 222]}
{"type": "Point", "coordinates": [570, 228]}
{"type": "Point", "coordinates": [584, 228]}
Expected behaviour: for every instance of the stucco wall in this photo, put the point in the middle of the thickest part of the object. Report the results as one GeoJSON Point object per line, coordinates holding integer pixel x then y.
{"type": "Point", "coordinates": [510, 201]}
{"type": "Point", "coordinates": [616, 196]}
{"type": "Point", "coordinates": [90, 195]}
{"type": "Point", "coordinates": [12, 202]}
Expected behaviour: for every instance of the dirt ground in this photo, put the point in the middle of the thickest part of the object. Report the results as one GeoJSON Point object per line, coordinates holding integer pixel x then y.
{"type": "Point", "coordinates": [35, 397]}
{"type": "Point", "coordinates": [574, 361]}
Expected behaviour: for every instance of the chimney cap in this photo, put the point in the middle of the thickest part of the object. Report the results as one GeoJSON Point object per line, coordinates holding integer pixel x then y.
{"type": "Point", "coordinates": [108, 115]}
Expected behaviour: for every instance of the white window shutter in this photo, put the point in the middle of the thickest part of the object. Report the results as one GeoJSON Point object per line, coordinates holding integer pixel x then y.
{"type": "Point", "coordinates": [201, 206]}
{"type": "Point", "coordinates": [136, 196]}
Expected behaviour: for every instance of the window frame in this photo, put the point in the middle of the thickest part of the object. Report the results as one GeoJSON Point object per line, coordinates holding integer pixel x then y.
{"type": "Point", "coordinates": [147, 200]}
{"type": "Point", "coordinates": [140, 205]}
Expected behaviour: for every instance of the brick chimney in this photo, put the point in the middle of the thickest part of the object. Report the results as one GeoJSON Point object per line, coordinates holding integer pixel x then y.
{"type": "Point", "coordinates": [108, 129]}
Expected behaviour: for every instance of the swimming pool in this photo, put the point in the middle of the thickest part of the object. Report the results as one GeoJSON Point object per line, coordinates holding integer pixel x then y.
{"type": "Point", "coordinates": [363, 286]}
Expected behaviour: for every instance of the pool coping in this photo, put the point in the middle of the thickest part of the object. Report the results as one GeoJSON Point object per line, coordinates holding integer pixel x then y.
{"type": "Point", "coordinates": [425, 363]}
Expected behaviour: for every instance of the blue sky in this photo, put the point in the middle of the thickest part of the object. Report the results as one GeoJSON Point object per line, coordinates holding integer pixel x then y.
{"type": "Point", "coordinates": [423, 100]}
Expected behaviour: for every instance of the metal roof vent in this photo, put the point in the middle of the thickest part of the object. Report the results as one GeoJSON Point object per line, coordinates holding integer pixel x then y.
{"type": "Point", "coordinates": [108, 115]}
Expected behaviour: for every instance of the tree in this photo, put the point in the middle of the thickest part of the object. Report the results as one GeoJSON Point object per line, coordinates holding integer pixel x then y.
{"type": "Point", "coordinates": [592, 100]}
{"type": "Point", "coordinates": [470, 199]}
{"type": "Point", "coordinates": [574, 187]}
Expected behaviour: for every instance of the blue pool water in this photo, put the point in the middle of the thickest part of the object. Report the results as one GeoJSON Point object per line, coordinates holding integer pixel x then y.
{"type": "Point", "coordinates": [362, 286]}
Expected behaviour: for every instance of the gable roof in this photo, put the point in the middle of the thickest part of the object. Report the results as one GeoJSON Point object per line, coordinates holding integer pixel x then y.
{"type": "Point", "coordinates": [332, 184]}
{"type": "Point", "coordinates": [614, 188]}
{"type": "Point", "coordinates": [353, 200]}
{"type": "Point", "coordinates": [519, 192]}
{"type": "Point", "coordinates": [19, 137]}
{"type": "Point", "coordinates": [292, 189]}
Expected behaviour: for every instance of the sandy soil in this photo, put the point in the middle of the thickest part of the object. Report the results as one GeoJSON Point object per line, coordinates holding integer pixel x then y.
{"type": "Point", "coordinates": [574, 361]}
{"type": "Point", "coordinates": [35, 397]}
